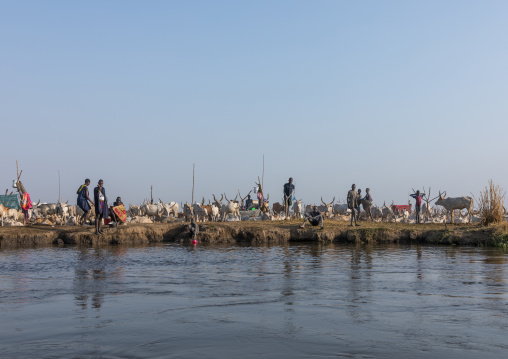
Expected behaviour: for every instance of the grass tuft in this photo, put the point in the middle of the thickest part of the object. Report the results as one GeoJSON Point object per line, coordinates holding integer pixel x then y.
{"type": "Point", "coordinates": [490, 204]}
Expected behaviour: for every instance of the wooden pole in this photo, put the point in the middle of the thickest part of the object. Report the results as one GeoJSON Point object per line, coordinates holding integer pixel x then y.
{"type": "Point", "coordinates": [193, 170]}
{"type": "Point", "coordinates": [151, 194]}
{"type": "Point", "coordinates": [263, 178]}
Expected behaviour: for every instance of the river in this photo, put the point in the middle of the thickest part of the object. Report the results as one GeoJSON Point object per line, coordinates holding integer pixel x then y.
{"type": "Point", "coordinates": [294, 301]}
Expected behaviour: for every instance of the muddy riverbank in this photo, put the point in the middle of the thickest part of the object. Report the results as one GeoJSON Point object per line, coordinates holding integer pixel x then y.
{"type": "Point", "coordinates": [260, 233]}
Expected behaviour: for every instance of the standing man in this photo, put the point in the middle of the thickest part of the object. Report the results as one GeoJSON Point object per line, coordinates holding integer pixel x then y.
{"type": "Point", "coordinates": [352, 203]}
{"type": "Point", "coordinates": [289, 189]}
{"type": "Point", "coordinates": [418, 206]}
{"type": "Point", "coordinates": [101, 205]}
{"type": "Point", "coordinates": [359, 203]}
{"type": "Point", "coordinates": [367, 203]}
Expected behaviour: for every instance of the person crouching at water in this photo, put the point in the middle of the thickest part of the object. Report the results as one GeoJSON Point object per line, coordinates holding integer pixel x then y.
{"type": "Point", "coordinates": [101, 205]}
{"type": "Point", "coordinates": [194, 228]}
{"type": "Point", "coordinates": [315, 217]}
{"type": "Point", "coordinates": [83, 199]}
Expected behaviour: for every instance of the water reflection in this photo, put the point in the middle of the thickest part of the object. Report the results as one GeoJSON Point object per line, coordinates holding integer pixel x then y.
{"type": "Point", "coordinates": [95, 270]}
{"type": "Point", "coordinates": [359, 283]}
{"type": "Point", "coordinates": [297, 300]}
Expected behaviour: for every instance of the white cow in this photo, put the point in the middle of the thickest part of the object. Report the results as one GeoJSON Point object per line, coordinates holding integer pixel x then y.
{"type": "Point", "coordinates": [377, 212]}
{"type": "Point", "coordinates": [341, 209]}
{"type": "Point", "coordinates": [215, 215]}
{"type": "Point", "coordinates": [297, 209]}
{"type": "Point", "coordinates": [453, 203]}
{"type": "Point", "coordinates": [200, 213]}
{"type": "Point", "coordinates": [327, 208]}
{"type": "Point", "coordinates": [188, 211]}
{"type": "Point", "coordinates": [150, 210]}
{"type": "Point", "coordinates": [169, 209]}
{"type": "Point", "coordinates": [387, 211]}
{"type": "Point", "coordinates": [231, 207]}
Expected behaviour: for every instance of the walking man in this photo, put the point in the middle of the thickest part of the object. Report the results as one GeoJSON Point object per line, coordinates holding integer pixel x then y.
{"type": "Point", "coordinates": [352, 203]}
{"type": "Point", "coordinates": [83, 201]}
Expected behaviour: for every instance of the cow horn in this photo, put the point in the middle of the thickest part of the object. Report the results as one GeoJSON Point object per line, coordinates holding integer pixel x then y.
{"type": "Point", "coordinates": [203, 201]}
{"type": "Point", "coordinates": [226, 197]}
{"type": "Point", "coordinates": [215, 199]}
{"type": "Point", "coordinates": [333, 200]}
{"type": "Point", "coordinates": [323, 201]}
{"type": "Point", "coordinates": [236, 197]}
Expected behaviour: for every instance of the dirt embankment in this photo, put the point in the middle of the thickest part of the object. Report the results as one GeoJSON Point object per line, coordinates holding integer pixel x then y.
{"type": "Point", "coordinates": [259, 233]}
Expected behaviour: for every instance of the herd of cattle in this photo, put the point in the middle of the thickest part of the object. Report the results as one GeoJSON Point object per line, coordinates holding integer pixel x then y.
{"type": "Point", "coordinates": [224, 209]}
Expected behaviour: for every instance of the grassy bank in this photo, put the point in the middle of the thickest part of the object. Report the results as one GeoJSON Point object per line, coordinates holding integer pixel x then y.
{"type": "Point", "coordinates": [262, 232]}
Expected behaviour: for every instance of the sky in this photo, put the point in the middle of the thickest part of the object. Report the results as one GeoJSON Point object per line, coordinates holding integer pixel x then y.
{"type": "Point", "coordinates": [390, 95]}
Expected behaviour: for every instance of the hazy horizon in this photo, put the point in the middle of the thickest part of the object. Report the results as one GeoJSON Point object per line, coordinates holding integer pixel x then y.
{"type": "Point", "coordinates": [389, 95]}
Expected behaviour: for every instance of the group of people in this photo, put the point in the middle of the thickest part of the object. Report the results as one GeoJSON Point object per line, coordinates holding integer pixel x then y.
{"type": "Point", "coordinates": [100, 203]}
{"type": "Point", "coordinates": [314, 217]}
{"type": "Point", "coordinates": [354, 201]}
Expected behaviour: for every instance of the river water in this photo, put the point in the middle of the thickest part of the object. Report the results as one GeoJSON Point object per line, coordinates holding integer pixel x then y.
{"type": "Point", "coordinates": [294, 301]}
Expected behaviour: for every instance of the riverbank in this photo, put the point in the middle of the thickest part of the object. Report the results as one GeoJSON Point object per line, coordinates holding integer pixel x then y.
{"type": "Point", "coordinates": [276, 232]}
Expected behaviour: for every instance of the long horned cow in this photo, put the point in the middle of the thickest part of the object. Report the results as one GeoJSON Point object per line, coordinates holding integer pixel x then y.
{"type": "Point", "coordinates": [232, 207]}
{"type": "Point", "coordinates": [452, 203]}
{"type": "Point", "coordinates": [326, 208]}
{"type": "Point", "coordinates": [216, 208]}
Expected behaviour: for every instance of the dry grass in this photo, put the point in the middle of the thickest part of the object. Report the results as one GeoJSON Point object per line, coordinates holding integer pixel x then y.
{"type": "Point", "coordinates": [490, 204]}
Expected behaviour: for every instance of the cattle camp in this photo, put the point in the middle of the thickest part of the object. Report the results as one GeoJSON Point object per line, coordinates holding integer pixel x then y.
{"type": "Point", "coordinates": [17, 209]}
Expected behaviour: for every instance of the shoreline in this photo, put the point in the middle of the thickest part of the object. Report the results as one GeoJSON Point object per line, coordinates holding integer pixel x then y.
{"type": "Point", "coordinates": [276, 232]}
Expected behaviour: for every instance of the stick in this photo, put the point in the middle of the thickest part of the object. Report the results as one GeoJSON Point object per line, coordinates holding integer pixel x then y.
{"type": "Point", "coordinates": [59, 198]}
{"type": "Point", "coordinates": [193, 169]}
{"type": "Point", "coordinates": [263, 181]}
{"type": "Point", "coordinates": [151, 194]}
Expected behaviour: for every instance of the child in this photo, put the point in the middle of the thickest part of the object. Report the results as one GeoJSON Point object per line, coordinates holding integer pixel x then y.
{"type": "Point", "coordinates": [418, 206]}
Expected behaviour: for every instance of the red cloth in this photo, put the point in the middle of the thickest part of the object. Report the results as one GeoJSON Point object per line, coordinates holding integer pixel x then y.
{"type": "Point", "coordinates": [26, 203]}
{"type": "Point", "coordinates": [120, 212]}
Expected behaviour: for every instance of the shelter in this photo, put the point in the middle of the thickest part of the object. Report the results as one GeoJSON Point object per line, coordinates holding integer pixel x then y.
{"type": "Point", "coordinates": [10, 201]}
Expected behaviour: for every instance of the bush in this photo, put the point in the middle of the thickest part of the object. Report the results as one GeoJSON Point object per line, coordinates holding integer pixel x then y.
{"type": "Point", "coordinates": [490, 204]}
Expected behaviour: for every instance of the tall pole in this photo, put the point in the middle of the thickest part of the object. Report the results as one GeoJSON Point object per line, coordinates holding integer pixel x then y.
{"type": "Point", "coordinates": [59, 198]}
{"type": "Point", "coordinates": [263, 178]}
{"type": "Point", "coordinates": [193, 170]}
{"type": "Point", "coordinates": [151, 194]}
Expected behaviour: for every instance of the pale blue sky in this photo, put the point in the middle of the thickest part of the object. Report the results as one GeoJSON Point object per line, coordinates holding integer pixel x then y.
{"type": "Point", "coordinates": [386, 94]}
